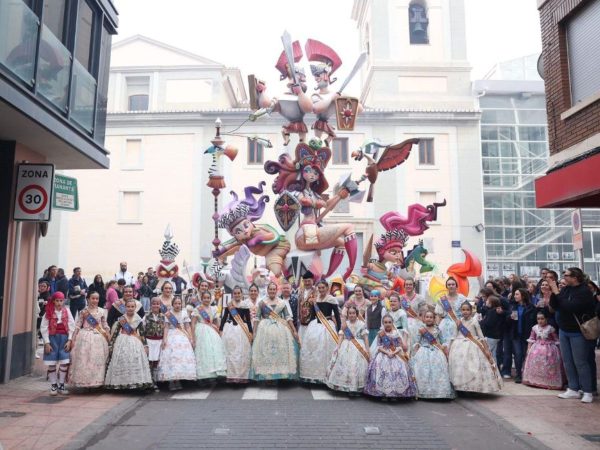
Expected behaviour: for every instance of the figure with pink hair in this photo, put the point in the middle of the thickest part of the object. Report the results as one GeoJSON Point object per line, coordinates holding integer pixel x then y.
{"type": "Point", "coordinates": [305, 179]}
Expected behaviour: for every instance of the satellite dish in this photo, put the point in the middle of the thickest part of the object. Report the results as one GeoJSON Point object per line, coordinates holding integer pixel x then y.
{"type": "Point", "coordinates": [540, 66]}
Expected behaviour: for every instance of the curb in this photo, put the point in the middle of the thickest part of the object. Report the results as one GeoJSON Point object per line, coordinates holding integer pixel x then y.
{"type": "Point", "coordinates": [524, 438]}
{"type": "Point", "coordinates": [95, 429]}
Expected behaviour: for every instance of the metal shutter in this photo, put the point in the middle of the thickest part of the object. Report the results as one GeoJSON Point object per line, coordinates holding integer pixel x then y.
{"type": "Point", "coordinates": [583, 40]}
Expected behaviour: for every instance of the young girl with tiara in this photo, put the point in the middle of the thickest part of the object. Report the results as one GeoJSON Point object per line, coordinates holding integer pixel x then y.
{"type": "Point", "coordinates": [350, 361]}
{"type": "Point", "coordinates": [154, 324]}
{"type": "Point", "coordinates": [472, 366]}
{"type": "Point", "coordinates": [177, 360]}
{"type": "Point", "coordinates": [128, 367]}
{"type": "Point", "coordinates": [390, 374]}
{"type": "Point", "coordinates": [57, 330]}
{"type": "Point", "coordinates": [208, 346]}
{"type": "Point", "coordinates": [236, 328]}
{"type": "Point", "coordinates": [430, 361]}
{"type": "Point", "coordinates": [543, 366]}
{"type": "Point", "coordinates": [90, 346]}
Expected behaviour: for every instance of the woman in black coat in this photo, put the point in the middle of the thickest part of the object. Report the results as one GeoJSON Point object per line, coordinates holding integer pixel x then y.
{"type": "Point", "coordinates": [519, 322]}
{"type": "Point", "coordinates": [98, 286]}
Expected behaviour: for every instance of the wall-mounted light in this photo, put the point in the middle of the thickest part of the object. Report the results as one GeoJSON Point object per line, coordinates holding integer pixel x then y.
{"type": "Point", "coordinates": [479, 227]}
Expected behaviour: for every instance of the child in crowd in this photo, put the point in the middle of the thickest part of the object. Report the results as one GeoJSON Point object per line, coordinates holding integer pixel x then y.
{"type": "Point", "coordinates": [90, 346]}
{"type": "Point", "coordinates": [128, 367]}
{"type": "Point", "coordinates": [543, 366]}
{"type": "Point", "coordinates": [430, 361]}
{"type": "Point", "coordinates": [208, 346]}
{"type": "Point", "coordinates": [177, 359]}
{"type": "Point", "coordinates": [57, 331]}
{"type": "Point", "coordinates": [472, 366]}
{"type": "Point", "coordinates": [350, 361]}
{"type": "Point", "coordinates": [492, 322]}
{"type": "Point", "coordinates": [374, 314]}
{"type": "Point", "coordinates": [154, 325]}
{"type": "Point", "coordinates": [390, 374]}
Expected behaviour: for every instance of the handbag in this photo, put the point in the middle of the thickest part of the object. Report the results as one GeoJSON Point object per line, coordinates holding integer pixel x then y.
{"type": "Point", "coordinates": [590, 328]}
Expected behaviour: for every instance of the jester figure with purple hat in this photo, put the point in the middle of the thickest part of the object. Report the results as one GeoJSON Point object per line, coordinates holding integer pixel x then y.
{"type": "Point", "coordinates": [304, 177]}
{"type": "Point", "coordinates": [294, 103]}
{"type": "Point", "coordinates": [262, 240]}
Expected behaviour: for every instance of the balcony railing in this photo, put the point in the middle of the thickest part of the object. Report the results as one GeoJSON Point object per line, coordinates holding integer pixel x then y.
{"type": "Point", "coordinates": [33, 54]}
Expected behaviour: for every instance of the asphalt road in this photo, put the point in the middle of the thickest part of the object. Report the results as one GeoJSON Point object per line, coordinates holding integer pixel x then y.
{"type": "Point", "coordinates": [301, 417]}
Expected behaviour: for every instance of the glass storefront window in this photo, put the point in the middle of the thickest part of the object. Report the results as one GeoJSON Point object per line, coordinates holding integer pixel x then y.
{"type": "Point", "coordinates": [83, 97]}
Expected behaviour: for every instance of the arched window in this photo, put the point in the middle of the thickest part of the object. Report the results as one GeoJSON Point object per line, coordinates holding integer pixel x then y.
{"type": "Point", "coordinates": [418, 23]}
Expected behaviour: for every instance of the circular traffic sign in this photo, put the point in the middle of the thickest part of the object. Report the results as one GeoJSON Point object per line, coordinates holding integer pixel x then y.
{"type": "Point", "coordinates": [33, 199]}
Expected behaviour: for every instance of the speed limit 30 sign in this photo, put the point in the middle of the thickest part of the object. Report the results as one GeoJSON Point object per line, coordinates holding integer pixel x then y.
{"type": "Point", "coordinates": [34, 192]}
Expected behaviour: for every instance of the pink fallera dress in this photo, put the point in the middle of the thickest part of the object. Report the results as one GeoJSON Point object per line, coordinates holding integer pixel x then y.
{"type": "Point", "coordinates": [543, 366]}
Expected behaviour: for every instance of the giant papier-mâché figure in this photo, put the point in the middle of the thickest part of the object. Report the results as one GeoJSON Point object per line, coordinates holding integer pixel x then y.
{"type": "Point", "coordinates": [239, 218]}
{"type": "Point", "coordinates": [304, 178]}
{"type": "Point", "coordinates": [167, 269]}
{"type": "Point", "coordinates": [294, 103]}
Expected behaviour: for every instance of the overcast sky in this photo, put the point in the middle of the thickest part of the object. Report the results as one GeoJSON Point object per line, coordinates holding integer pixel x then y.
{"type": "Point", "coordinates": [246, 33]}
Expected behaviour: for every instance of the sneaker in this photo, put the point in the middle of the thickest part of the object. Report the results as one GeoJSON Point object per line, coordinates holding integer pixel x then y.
{"type": "Point", "coordinates": [587, 397]}
{"type": "Point", "coordinates": [569, 393]}
{"type": "Point", "coordinates": [518, 380]}
{"type": "Point", "coordinates": [155, 387]}
{"type": "Point", "coordinates": [62, 390]}
{"type": "Point", "coordinates": [506, 377]}
{"type": "Point", "coordinates": [54, 389]}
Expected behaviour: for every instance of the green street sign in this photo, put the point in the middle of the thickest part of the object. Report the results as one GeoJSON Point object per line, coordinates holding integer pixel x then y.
{"type": "Point", "coordinates": [65, 195]}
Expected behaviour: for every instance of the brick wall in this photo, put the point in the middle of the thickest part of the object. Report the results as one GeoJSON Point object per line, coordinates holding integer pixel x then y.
{"type": "Point", "coordinates": [585, 123]}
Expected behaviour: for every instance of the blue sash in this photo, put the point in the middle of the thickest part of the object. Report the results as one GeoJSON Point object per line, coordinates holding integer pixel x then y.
{"type": "Point", "coordinates": [126, 326]}
{"type": "Point", "coordinates": [92, 321]}
{"type": "Point", "coordinates": [204, 315]}
{"type": "Point", "coordinates": [173, 320]}
{"type": "Point", "coordinates": [121, 308]}
{"type": "Point", "coordinates": [163, 308]}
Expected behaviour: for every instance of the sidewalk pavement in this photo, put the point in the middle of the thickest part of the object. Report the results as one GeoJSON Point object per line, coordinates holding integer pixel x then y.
{"type": "Point", "coordinates": [31, 419]}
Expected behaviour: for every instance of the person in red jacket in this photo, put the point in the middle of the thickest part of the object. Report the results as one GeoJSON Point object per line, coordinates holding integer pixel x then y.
{"type": "Point", "coordinates": [57, 331]}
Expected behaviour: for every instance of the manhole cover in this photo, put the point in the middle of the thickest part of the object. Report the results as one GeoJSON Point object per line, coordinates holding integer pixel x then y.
{"type": "Point", "coordinates": [591, 437]}
{"type": "Point", "coordinates": [221, 431]}
{"type": "Point", "coordinates": [11, 414]}
{"type": "Point", "coordinates": [372, 430]}
{"type": "Point", "coordinates": [48, 400]}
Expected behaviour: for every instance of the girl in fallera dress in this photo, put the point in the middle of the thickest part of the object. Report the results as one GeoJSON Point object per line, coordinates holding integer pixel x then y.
{"type": "Point", "coordinates": [543, 366]}
{"type": "Point", "coordinates": [455, 300]}
{"type": "Point", "coordinates": [397, 314]}
{"type": "Point", "coordinates": [236, 328]}
{"type": "Point", "coordinates": [118, 307]}
{"type": "Point", "coordinates": [350, 361]}
{"type": "Point", "coordinates": [430, 361]}
{"type": "Point", "coordinates": [177, 359]}
{"type": "Point", "coordinates": [321, 336]}
{"type": "Point", "coordinates": [253, 291]}
{"type": "Point", "coordinates": [413, 318]}
{"type": "Point", "coordinates": [274, 351]}
{"type": "Point", "coordinates": [154, 324]}
{"type": "Point", "coordinates": [472, 366]}
{"type": "Point", "coordinates": [57, 330]}
{"type": "Point", "coordinates": [390, 374]}
{"type": "Point", "coordinates": [90, 346]}
{"type": "Point", "coordinates": [128, 367]}
{"type": "Point", "coordinates": [208, 346]}
{"type": "Point", "coordinates": [166, 296]}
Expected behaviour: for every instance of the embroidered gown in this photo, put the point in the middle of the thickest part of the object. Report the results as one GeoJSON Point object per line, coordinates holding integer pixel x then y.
{"type": "Point", "coordinates": [154, 324]}
{"type": "Point", "coordinates": [347, 371]}
{"type": "Point", "coordinates": [177, 359]}
{"type": "Point", "coordinates": [543, 366]}
{"type": "Point", "coordinates": [430, 366]}
{"type": "Point", "coordinates": [470, 369]}
{"type": "Point", "coordinates": [128, 367]}
{"type": "Point", "coordinates": [414, 325]}
{"type": "Point", "coordinates": [274, 355]}
{"type": "Point", "coordinates": [209, 350]}
{"type": "Point", "coordinates": [238, 348]}
{"type": "Point", "coordinates": [317, 344]}
{"type": "Point", "coordinates": [389, 377]}
{"type": "Point", "coordinates": [90, 350]}
{"type": "Point", "coordinates": [447, 325]}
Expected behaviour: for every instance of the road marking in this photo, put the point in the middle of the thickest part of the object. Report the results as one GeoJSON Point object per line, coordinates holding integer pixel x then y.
{"type": "Point", "coordinates": [195, 395]}
{"type": "Point", "coordinates": [259, 393]}
{"type": "Point", "coordinates": [319, 394]}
